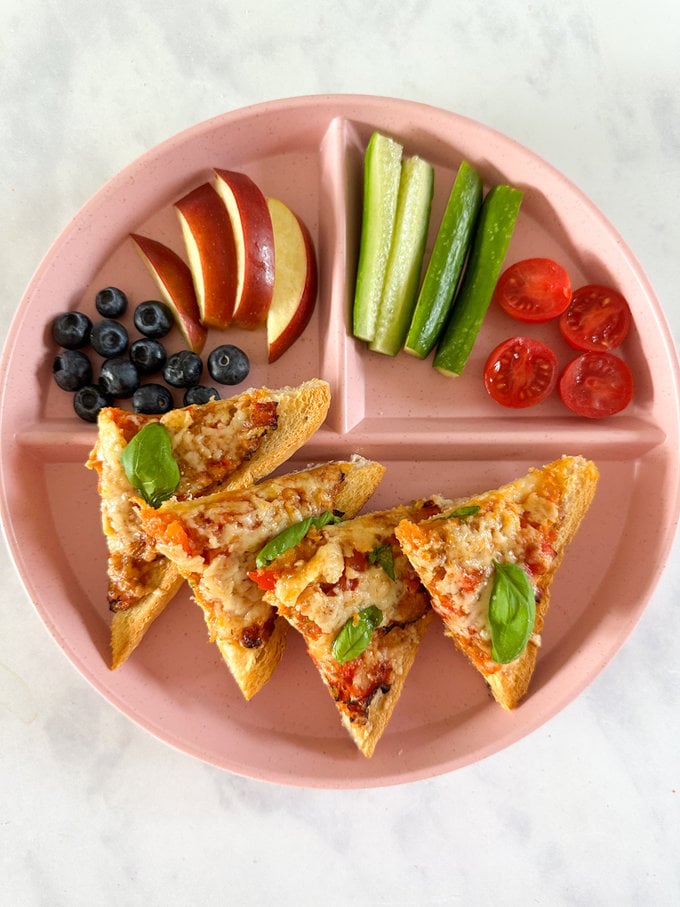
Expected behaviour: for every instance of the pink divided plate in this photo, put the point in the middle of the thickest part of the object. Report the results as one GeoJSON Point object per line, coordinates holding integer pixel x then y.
{"type": "Point", "coordinates": [434, 434]}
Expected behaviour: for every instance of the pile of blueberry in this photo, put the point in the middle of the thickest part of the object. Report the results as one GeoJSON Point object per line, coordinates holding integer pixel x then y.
{"type": "Point", "coordinates": [126, 364]}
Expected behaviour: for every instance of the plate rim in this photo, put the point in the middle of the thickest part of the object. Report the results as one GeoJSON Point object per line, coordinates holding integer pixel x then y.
{"type": "Point", "coordinates": [188, 134]}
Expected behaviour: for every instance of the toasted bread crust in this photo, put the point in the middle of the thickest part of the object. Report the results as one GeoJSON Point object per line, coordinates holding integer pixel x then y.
{"type": "Point", "coordinates": [128, 627]}
{"type": "Point", "coordinates": [322, 584]}
{"type": "Point", "coordinates": [565, 488]}
{"type": "Point", "coordinates": [252, 668]}
{"type": "Point", "coordinates": [361, 480]}
{"type": "Point", "coordinates": [399, 647]}
{"type": "Point", "coordinates": [404, 645]}
{"type": "Point", "coordinates": [299, 412]}
{"type": "Point", "coordinates": [213, 541]}
{"type": "Point", "coordinates": [578, 479]}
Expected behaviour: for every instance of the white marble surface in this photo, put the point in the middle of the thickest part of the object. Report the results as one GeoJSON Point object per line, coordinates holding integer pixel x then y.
{"type": "Point", "coordinates": [586, 811]}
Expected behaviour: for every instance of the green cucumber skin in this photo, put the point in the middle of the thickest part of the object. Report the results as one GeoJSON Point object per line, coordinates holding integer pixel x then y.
{"type": "Point", "coordinates": [495, 226]}
{"type": "Point", "coordinates": [405, 263]}
{"type": "Point", "coordinates": [446, 262]}
{"type": "Point", "coordinates": [382, 172]}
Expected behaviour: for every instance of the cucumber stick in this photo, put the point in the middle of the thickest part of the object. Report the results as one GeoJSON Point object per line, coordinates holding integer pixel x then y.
{"type": "Point", "coordinates": [382, 174]}
{"type": "Point", "coordinates": [405, 262]}
{"type": "Point", "coordinates": [445, 267]}
{"type": "Point", "coordinates": [495, 226]}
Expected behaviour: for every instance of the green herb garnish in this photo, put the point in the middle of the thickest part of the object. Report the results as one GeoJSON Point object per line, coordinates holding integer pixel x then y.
{"type": "Point", "coordinates": [356, 634]}
{"type": "Point", "coordinates": [512, 612]}
{"type": "Point", "coordinates": [460, 513]}
{"type": "Point", "coordinates": [383, 556]}
{"type": "Point", "coordinates": [293, 535]}
{"type": "Point", "coordinates": [150, 465]}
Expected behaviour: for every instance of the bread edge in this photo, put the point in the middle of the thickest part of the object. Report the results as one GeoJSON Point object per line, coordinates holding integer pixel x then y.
{"type": "Point", "coordinates": [301, 411]}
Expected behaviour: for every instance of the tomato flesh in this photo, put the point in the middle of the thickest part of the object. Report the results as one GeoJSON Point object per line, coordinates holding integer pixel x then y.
{"type": "Point", "coordinates": [596, 385]}
{"type": "Point", "coordinates": [534, 290]}
{"type": "Point", "coordinates": [265, 579]}
{"type": "Point", "coordinates": [598, 318]}
{"type": "Point", "coordinates": [520, 372]}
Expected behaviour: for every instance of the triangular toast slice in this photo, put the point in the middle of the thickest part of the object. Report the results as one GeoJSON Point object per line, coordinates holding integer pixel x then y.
{"type": "Point", "coordinates": [224, 443]}
{"type": "Point", "coordinates": [214, 542]}
{"type": "Point", "coordinates": [462, 561]}
{"type": "Point", "coordinates": [346, 586]}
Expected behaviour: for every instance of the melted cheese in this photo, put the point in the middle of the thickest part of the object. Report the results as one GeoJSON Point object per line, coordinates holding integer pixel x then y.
{"type": "Point", "coordinates": [456, 558]}
{"type": "Point", "coordinates": [540, 510]}
{"type": "Point", "coordinates": [209, 443]}
{"type": "Point", "coordinates": [226, 533]}
{"type": "Point", "coordinates": [335, 581]}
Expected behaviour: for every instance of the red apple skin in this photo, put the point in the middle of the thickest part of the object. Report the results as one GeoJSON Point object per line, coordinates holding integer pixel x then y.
{"type": "Point", "coordinates": [204, 218]}
{"type": "Point", "coordinates": [299, 311]}
{"type": "Point", "coordinates": [254, 239]}
{"type": "Point", "coordinates": [175, 283]}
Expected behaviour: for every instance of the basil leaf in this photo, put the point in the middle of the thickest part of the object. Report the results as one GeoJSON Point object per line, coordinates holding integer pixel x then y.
{"type": "Point", "coordinates": [150, 465]}
{"type": "Point", "coordinates": [356, 634]}
{"type": "Point", "coordinates": [293, 535]}
{"type": "Point", "coordinates": [384, 557]}
{"type": "Point", "coordinates": [461, 513]}
{"type": "Point", "coordinates": [512, 612]}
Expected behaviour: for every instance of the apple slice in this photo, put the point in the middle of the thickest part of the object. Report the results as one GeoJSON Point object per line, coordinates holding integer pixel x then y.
{"type": "Point", "coordinates": [295, 279]}
{"type": "Point", "coordinates": [209, 241]}
{"type": "Point", "coordinates": [254, 240]}
{"type": "Point", "coordinates": [175, 283]}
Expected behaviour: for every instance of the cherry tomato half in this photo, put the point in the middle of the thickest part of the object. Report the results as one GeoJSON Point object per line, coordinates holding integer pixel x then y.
{"type": "Point", "coordinates": [535, 289]}
{"type": "Point", "coordinates": [596, 385]}
{"type": "Point", "coordinates": [598, 318]}
{"type": "Point", "coordinates": [520, 372]}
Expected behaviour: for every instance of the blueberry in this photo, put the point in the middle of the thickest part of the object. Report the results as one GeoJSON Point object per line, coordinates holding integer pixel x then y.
{"type": "Point", "coordinates": [119, 377]}
{"type": "Point", "coordinates": [228, 364]}
{"type": "Point", "coordinates": [183, 369]}
{"type": "Point", "coordinates": [153, 318]}
{"type": "Point", "coordinates": [89, 400]}
{"type": "Point", "coordinates": [71, 330]}
{"type": "Point", "coordinates": [109, 338]}
{"type": "Point", "coordinates": [152, 399]}
{"type": "Point", "coordinates": [111, 302]}
{"type": "Point", "coordinates": [148, 355]}
{"type": "Point", "coordinates": [200, 394]}
{"type": "Point", "coordinates": [72, 370]}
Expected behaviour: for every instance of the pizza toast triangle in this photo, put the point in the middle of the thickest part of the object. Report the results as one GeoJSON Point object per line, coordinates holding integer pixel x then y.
{"type": "Point", "coordinates": [528, 522]}
{"type": "Point", "coordinates": [224, 443]}
{"type": "Point", "coordinates": [214, 542]}
{"type": "Point", "coordinates": [347, 586]}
